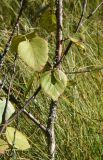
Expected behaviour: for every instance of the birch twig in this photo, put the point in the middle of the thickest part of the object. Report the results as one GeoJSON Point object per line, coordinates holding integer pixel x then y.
{"type": "Point", "coordinates": [53, 106]}
{"type": "Point", "coordinates": [7, 46]}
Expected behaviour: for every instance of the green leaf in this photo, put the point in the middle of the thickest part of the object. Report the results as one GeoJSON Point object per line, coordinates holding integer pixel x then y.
{"type": "Point", "coordinates": [3, 146]}
{"type": "Point", "coordinates": [78, 43]}
{"type": "Point", "coordinates": [34, 53]}
{"type": "Point", "coordinates": [10, 109]}
{"type": "Point", "coordinates": [17, 39]}
{"type": "Point", "coordinates": [20, 141]}
{"type": "Point", "coordinates": [48, 21]}
{"type": "Point", "coordinates": [54, 83]}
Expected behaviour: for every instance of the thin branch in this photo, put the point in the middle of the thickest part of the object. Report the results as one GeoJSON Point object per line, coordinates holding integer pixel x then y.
{"type": "Point", "coordinates": [39, 88]}
{"type": "Point", "coordinates": [59, 36]}
{"type": "Point", "coordinates": [53, 106]}
{"type": "Point", "coordinates": [70, 43]}
{"type": "Point", "coordinates": [94, 11]}
{"type": "Point", "coordinates": [26, 104]}
{"type": "Point", "coordinates": [29, 115]}
{"type": "Point", "coordinates": [12, 154]}
{"type": "Point", "coordinates": [65, 52]}
{"type": "Point", "coordinates": [82, 16]}
{"type": "Point", "coordinates": [21, 110]}
{"type": "Point", "coordinates": [2, 82]}
{"type": "Point", "coordinates": [8, 94]}
{"type": "Point", "coordinates": [9, 90]}
{"type": "Point", "coordinates": [7, 46]}
{"type": "Point", "coordinates": [50, 129]}
{"type": "Point", "coordinates": [77, 28]}
{"type": "Point", "coordinates": [86, 70]}
{"type": "Point", "coordinates": [33, 119]}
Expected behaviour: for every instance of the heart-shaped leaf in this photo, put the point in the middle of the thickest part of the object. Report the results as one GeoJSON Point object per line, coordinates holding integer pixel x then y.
{"type": "Point", "coordinates": [54, 83]}
{"type": "Point", "coordinates": [34, 53]}
{"type": "Point", "coordinates": [10, 109]}
{"type": "Point", "coordinates": [3, 146]}
{"type": "Point", "coordinates": [17, 139]}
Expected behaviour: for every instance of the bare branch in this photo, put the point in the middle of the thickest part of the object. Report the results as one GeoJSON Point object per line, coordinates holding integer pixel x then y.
{"type": "Point", "coordinates": [65, 52]}
{"type": "Point", "coordinates": [8, 94]}
{"type": "Point", "coordinates": [7, 46]}
{"type": "Point", "coordinates": [21, 110]}
{"type": "Point", "coordinates": [50, 129]}
{"type": "Point", "coordinates": [26, 104]}
{"type": "Point", "coordinates": [9, 90]}
{"type": "Point", "coordinates": [94, 11]}
{"type": "Point", "coordinates": [59, 37]}
{"type": "Point", "coordinates": [82, 16]}
{"type": "Point", "coordinates": [53, 106]}
{"type": "Point", "coordinates": [2, 82]}
{"type": "Point", "coordinates": [87, 70]}
{"type": "Point", "coordinates": [78, 27]}
{"type": "Point", "coordinates": [29, 115]}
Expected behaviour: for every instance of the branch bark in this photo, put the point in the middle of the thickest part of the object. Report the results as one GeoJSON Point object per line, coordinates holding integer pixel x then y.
{"type": "Point", "coordinates": [59, 37]}
{"type": "Point", "coordinates": [8, 94]}
{"type": "Point", "coordinates": [94, 11]}
{"type": "Point", "coordinates": [53, 106]}
{"type": "Point", "coordinates": [87, 70]}
{"type": "Point", "coordinates": [29, 115]}
{"type": "Point", "coordinates": [7, 46]}
{"type": "Point", "coordinates": [21, 110]}
{"type": "Point", "coordinates": [50, 130]}
{"type": "Point", "coordinates": [78, 26]}
{"type": "Point", "coordinates": [82, 16]}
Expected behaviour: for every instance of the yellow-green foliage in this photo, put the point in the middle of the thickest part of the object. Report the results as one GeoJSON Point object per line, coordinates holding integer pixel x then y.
{"type": "Point", "coordinates": [79, 122]}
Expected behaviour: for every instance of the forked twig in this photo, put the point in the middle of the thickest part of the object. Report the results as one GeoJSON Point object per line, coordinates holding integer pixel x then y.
{"type": "Point", "coordinates": [66, 50]}
{"type": "Point", "coordinates": [29, 115]}
{"type": "Point", "coordinates": [70, 43]}
{"type": "Point", "coordinates": [52, 114]}
{"type": "Point", "coordinates": [22, 109]}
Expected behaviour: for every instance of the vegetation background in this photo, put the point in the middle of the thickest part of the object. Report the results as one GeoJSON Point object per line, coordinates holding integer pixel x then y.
{"type": "Point", "coordinates": [79, 122]}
